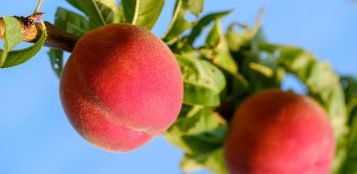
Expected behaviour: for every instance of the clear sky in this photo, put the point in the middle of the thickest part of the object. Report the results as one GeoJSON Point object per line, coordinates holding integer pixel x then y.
{"type": "Point", "coordinates": [36, 138]}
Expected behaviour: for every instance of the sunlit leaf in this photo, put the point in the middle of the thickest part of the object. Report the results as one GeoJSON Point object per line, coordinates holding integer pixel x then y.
{"type": "Point", "coordinates": [12, 37]}
{"type": "Point", "coordinates": [204, 22]}
{"type": "Point", "coordinates": [18, 57]}
{"type": "Point", "coordinates": [200, 132]}
{"type": "Point", "coordinates": [220, 54]}
{"type": "Point", "coordinates": [214, 161]}
{"type": "Point", "coordinates": [203, 82]}
{"type": "Point", "coordinates": [236, 40]}
{"type": "Point", "coordinates": [101, 12]}
{"type": "Point", "coordinates": [179, 24]}
{"type": "Point", "coordinates": [141, 12]}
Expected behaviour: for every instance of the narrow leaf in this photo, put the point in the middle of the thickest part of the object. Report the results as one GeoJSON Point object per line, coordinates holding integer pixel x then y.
{"type": "Point", "coordinates": [219, 50]}
{"type": "Point", "coordinates": [178, 23]}
{"type": "Point", "coordinates": [204, 22]}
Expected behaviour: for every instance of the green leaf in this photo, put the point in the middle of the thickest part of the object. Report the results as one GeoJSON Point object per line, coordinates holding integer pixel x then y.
{"type": "Point", "coordinates": [56, 59]}
{"type": "Point", "coordinates": [349, 165]}
{"type": "Point", "coordinates": [214, 162]}
{"type": "Point", "coordinates": [13, 36]}
{"type": "Point", "coordinates": [178, 23]}
{"type": "Point", "coordinates": [349, 85]}
{"type": "Point", "coordinates": [189, 164]}
{"type": "Point", "coordinates": [219, 52]}
{"type": "Point", "coordinates": [192, 144]}
{"type": "Point", "coordinates": [199, 120]}
{"type": "Point", "coordinates": [72, 22]}
{"type": "Point", "coordinates": [237, 40]}
{"type": "Point", "coordinates": [204, 22]}
{"type": "Point", "coordinates": [141, 12]}
{"type": "Point", "coordinates": [18, 57]}
{"type": "Point", "coordinates": [203, 82]}
{"type": "Point", "coordinates": [200, 132]}
{"type": "Point", "coordinates": [101, 12]}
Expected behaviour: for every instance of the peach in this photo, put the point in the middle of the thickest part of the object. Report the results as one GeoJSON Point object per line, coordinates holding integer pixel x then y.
{"type": "Point", "coordinates": [276, 132]}
{"type": "Point", "coordinates": [121, 87]}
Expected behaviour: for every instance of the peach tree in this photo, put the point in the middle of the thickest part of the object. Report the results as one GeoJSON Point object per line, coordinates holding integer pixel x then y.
{"type": "Point", "coordinates": [217, 75]}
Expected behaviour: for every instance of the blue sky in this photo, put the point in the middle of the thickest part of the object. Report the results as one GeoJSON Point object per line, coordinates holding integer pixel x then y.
{"type": "Point", "coordinates": [36, 138]}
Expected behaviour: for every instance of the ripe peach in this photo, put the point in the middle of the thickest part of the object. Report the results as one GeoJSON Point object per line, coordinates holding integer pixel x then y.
{"type": "Point", "coordinates": [121, 87]}
{"type": "Point", "coordinates": [275, 132]}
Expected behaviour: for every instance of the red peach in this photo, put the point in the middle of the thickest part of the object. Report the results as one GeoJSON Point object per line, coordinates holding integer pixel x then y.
{"type": "Point", "coordinates": [275, 132]}
{"type": "Point", "coordinates": [121, 87]}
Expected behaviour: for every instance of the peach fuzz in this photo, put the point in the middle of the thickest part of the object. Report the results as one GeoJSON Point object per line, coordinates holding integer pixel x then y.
{"type": "Point", "coordinates": [121, 87]}
{"type": "Point", "coordinates": [276, 132]}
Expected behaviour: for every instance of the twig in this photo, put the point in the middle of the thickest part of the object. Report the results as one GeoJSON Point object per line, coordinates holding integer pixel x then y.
{"type": "Point", "coordinates": [57, 38]}
{"type": "Point", "coordinates": [38, 7]}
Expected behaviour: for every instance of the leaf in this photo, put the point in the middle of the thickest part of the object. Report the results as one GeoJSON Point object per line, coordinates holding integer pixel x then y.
{"type": "Point", "coordinates": [192, 144]}
{"type": "Point", "coordinates": [320, 79]}
{"type": "Point", "coordinates": [56, 59]}
{"type": "Point", "coordinates": [202, 23]}
{"type": "Point", "coordinates": [72, 22]}
{"type": "Point", "coordinates": [236, 40]}
{"type": "Point", "coordinates": [349, 166]}
{"type": "Point", "coordinates": [203, 82]}
{"type": "Point", "coordinates": [214, 161]}
{"type": "Point", "coordinates": [200, 132]}
{"type": "Point", "coordinates": [219, 52]}
{"type": "Point", "coordinates": [236, 89]}
{"type": "Point", "coordinates": [13, 36]}
{"type": "Point", "coordinates": [349, 85]}
{"type": "Point", "coordinates": [189, 164]}
{"type": "Point", "coordinates": [101, 12]}
{"type": "Point", "coordinates": [199, 120]}
{"type": "Point", "coordinates": [178, 23]}
{"type": "Point", "coordinates": [141, 12]}
{"type": "Point", "coordinates": [18, 57]}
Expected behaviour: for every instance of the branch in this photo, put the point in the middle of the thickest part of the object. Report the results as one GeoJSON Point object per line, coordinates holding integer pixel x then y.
{"type": "Point", "coordinates": [57, 38]}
